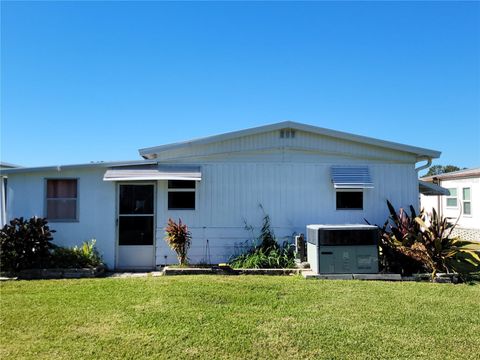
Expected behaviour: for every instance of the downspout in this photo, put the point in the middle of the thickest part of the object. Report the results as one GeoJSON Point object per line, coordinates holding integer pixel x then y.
{"type": "Point", "coordinates": [3, 200]}
{"type": "Point", "coordinates": [429, 162]}
{"type": "Point", "coordinates": [436, 181]}
{"type": "Point", "coordinates": [427, 159]}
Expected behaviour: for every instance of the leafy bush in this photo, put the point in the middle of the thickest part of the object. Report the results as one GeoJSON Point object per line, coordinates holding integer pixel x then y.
{"type": "Point", "coordinates": [444, 253]}
{"type": "Point", "coordinates": [409, 244]}
{"type": "Point", "coordinates": [76, 257]}
{"type": "Point", "coordinates": [398, 233]}
{"type": "Point", "coordinates": [179, 239]}
{"type": "Point", "coordinates": [259, 258]}
{"type": "Point", "coordinates": [268, 254]}
{"type": "Point", "coordinates": [25, 244]}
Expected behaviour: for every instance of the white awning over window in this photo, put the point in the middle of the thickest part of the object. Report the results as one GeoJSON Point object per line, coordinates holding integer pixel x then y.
{"type": "Point", "coordinates": [351, 177]}
{"type": "Point", "coordinates": [153, 172]}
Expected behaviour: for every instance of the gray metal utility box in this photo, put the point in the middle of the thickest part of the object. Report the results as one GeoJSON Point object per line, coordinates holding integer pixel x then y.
{"type": "Point", "coordinates": [343, 249]}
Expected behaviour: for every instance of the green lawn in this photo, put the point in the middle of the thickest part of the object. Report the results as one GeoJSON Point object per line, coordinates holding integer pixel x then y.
{"type": "Point", "coordinates": [242, 317]}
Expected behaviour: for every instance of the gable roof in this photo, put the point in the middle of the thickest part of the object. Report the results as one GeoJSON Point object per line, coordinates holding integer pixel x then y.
{"type": "Point", "coordinates": [421, 153]}
{"type": "Point", "coordinates": [460, 174]}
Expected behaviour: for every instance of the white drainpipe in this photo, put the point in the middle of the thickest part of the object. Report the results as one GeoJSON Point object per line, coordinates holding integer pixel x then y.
{"type": "Point", "coordinates": [428, 160]}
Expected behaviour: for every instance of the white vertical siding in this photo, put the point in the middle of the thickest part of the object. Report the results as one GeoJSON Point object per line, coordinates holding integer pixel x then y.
{"type": "Point", "coordinates": [292, 194]}
{"type": "Point", "coordinates": [259, 144]}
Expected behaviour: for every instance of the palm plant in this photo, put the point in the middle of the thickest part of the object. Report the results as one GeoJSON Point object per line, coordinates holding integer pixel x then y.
{"type": "Point", "coordinates": [179, 239]}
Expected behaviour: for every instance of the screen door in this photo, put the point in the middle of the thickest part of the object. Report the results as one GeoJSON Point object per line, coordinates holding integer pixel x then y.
{"type": "Point", "coordinates": [136, 226]}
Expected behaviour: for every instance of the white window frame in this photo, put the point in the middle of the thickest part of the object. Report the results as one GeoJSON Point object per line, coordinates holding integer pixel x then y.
{"type": "Point", "coordinates": [77, 207]}
{"type": "Point", "coordinates": [350, 190]}
{"type": "Point", "coordinates": [466, 201]}
{"type": "Point", "coordinates": [194, 190]}
{"type": "Point", "coordinates": [452, 197]}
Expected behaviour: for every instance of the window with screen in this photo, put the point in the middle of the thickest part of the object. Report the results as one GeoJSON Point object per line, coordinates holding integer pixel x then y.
{"type": "Point", "coordinates": [181, 195]}
{"type": "Point", "coordinates": [467, 204]}
{"type": "Point", "coordinates": [452, 198]}
{"type": "Point", "coordinates": [61, 199]}
{"type": "Point", "coordinates": [349, 200]}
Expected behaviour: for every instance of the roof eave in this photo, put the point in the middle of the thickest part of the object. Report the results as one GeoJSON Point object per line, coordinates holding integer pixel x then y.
{"type": "Point", "coordinates": [75, 166]}
{"type": "Point", "coordinates": [430, 189]}
{"type": "Point", "coordinates": [460, 174]}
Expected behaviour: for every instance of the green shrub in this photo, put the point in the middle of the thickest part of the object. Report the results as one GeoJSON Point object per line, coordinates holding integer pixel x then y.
{"type": "Point", "coordinates": [25, 244]}
{"type": "Point", "coordinates": [443, 252]}
{"type": "Point", "coordinates": [76, 257]}
{"type": "Point", "coordinates": [268, 254]}
{"type": "Point", "coordinates": [259, 258]}
{"type": "Point", "coordinates": [409, 243]}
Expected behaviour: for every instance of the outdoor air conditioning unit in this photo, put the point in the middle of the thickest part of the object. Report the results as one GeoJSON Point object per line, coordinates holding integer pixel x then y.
{"type": "Point", "coordinates": [342, 249]}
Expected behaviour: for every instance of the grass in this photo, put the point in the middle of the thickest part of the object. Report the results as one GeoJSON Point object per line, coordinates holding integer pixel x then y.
{"type": "Point", "coordinates": [237, 317]}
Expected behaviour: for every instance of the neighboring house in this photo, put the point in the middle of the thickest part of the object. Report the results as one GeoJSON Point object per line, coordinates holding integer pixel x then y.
{"type": "Point", "coordinates": [462, 201]}
{"type": "Point", "coordinates": [3, 187]}
{"type": "Point", "coordinates": [300, 174]}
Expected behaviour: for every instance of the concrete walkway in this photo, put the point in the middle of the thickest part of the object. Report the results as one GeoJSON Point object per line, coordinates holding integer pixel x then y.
{"type": "Point", "coordinates": [124, 275]}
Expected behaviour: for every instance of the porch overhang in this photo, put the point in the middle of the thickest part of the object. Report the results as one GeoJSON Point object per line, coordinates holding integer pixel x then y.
{"type": "Point", "coordinates": [153, 172]}
{"type": "Point", "coordinates": [431, 189]}
{"type": "Point", "coordinates": [351, 177]}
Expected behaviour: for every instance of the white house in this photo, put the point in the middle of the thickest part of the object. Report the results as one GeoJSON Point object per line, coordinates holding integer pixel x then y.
{"type": "Point", "coordinates": [462, 201]}
{"type": "Point", "coordinates": [300, 175]}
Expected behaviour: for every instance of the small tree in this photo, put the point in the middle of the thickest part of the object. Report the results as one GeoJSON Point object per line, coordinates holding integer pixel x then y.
{"type": "Point", "coordinates": [179, 239]}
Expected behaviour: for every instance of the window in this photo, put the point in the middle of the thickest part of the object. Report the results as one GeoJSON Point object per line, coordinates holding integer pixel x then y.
{"type": "Point", "coordinates": [61, 199]}
{"type": "Point", "coordinates": [452, 199]}
{"type": "Point", "coordinates": [349, 200]}
{"type": "Point", "coordinates": [181, 195]}
{"type": "Point", "coordinates": [467, 204]}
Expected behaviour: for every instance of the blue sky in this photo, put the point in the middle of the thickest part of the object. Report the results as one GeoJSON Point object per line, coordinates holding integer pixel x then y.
{"type": "Point", "coordinates": [92, 81]}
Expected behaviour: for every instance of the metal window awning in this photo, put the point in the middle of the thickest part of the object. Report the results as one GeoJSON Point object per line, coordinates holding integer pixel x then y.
{"type": "Point", "coordinates": [351, 177]}
{"type": "Point", "coordinates": [429, 189]}
{"type": "Point", "coordinates": [153, 172]}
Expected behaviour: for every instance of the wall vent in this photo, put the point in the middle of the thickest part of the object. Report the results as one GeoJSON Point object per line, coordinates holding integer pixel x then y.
{"type": "Point", "coordinates": [287, 133]}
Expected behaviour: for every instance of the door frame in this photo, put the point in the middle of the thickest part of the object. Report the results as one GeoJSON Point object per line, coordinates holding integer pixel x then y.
{"type": "Point", "coordinates": [117, 217]}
